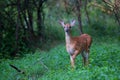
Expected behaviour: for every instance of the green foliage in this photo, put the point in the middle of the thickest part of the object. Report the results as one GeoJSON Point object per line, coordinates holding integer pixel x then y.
{"type": "Point", "coordinates": [55, 64]}
{"type": "Point", "coordinates": [100, 25]}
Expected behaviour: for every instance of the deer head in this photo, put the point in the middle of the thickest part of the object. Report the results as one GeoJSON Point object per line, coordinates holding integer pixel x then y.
{"type": "Point", "coordinates": [67, 27]}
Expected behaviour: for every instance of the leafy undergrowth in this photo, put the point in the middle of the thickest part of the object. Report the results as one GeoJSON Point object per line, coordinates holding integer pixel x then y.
{"type": "Point", "coordinates": [55, 65]}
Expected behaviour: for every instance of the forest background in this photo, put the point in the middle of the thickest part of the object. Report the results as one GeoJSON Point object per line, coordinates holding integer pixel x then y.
{"type": "Point", "coordinates": [30, 29]}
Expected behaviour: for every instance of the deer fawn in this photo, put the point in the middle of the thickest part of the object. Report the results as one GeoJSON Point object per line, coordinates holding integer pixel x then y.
{"type": "Point", "coordinates": [75, 45]}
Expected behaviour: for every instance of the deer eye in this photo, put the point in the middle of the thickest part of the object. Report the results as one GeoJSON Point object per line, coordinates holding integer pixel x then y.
{"type": "Point", "coordinates": [70, 26]}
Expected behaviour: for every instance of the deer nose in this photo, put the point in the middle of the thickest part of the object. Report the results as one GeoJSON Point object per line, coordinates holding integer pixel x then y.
{"type": "Point", "coordinates": [66, 30]}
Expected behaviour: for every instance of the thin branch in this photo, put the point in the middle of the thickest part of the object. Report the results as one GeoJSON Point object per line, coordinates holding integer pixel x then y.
{"type": "Point", "coordinates": [17, 69]}
{"type": "Point", "coordinates": [39, 60]}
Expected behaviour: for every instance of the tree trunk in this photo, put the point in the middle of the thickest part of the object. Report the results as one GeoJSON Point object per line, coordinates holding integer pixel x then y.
{"type": "Point", "coordinates": [40, 20]}
{"type": "Point", "coordinates": [17, 30]}
{"type": "Point", "coordinates": [1, 29]}
{"type": "Point", "coordinates": [117, 11]}
{"type": "Point", "coordinates": [86, 11]}
{"type": "Point", "coordinates": [78, 8]}
{"type": "Point", "coordinates": [30, 24]}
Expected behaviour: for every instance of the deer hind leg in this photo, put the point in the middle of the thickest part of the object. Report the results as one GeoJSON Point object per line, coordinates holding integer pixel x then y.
{"type": "Point", "coordinates": [85, 56]}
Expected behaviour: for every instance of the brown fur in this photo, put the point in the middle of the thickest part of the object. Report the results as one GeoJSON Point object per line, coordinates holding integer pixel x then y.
{"type": "Point", "coordinates": [77, 45]}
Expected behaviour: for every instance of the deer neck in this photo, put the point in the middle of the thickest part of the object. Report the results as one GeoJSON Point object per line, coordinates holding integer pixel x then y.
{"type": "Point", "coordinates": [68, 37]}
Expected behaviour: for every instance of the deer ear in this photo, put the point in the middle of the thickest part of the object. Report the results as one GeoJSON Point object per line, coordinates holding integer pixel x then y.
{"type": "Point", "coordinates": [62, 23]}
{"type": "Point", "coordinates": [72, 23]}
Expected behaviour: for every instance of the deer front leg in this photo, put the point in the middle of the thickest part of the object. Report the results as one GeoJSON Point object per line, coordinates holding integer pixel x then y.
{"type": "Point", "coordinates": [72, 61]}
{"type": "Point", "coordinates": [72, 58]}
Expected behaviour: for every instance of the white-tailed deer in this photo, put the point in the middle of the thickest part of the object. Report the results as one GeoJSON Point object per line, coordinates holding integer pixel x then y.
{"type": "Point", "coordinates": [75, 45]}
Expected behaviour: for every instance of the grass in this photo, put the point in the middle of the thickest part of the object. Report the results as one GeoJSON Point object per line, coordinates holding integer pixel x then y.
{"type": "Point", "coordinates": [55, 64]}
